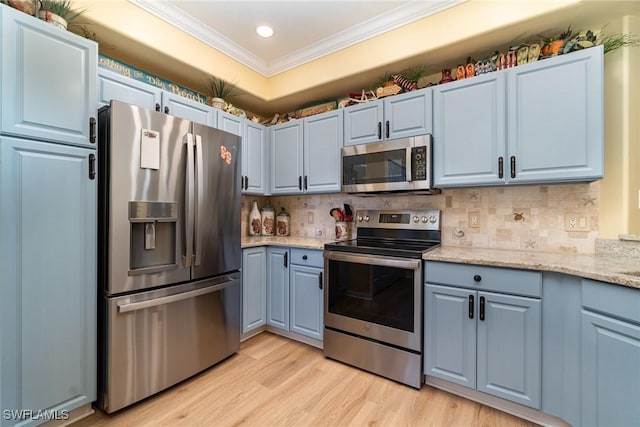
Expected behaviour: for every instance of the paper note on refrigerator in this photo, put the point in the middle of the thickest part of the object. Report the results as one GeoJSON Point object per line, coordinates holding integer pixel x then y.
{"type": "Point", "coordinates": [150, 149]}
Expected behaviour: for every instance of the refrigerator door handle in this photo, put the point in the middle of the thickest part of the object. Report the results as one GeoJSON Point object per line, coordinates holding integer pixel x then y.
{"type": "Point", "coordinates": [133, 306]}
{"type": "Point", "coordinates": [199, 200]}
{"type": "Point", "coordinates": [187, 258]}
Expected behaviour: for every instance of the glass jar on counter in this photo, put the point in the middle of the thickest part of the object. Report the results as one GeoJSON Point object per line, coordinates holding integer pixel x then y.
{"type": "Point", "coordinates": [268, 220]}
{"type": "Point", "coordinates": [282, 223]}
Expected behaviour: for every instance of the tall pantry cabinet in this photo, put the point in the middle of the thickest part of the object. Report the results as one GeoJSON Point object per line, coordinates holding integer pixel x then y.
{"type": "Point", "coordinates": [47, 220]}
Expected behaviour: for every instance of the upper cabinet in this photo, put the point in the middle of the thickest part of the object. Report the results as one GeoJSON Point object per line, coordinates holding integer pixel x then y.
{"type": "Point", "coordinates": [34, 57]}
{"type": "Point", "coordinates": [535, 123]}
{"type": "Point", "coordinates": [230, 123]}
{"type": "Point", "coordinates": [254, 158]}
{"type": "Point", "coordinates": [399, 116]}
{"type": "Point", "coordinates": [114, 86]}
{"type": "Point", "coordinates": [305, 155]}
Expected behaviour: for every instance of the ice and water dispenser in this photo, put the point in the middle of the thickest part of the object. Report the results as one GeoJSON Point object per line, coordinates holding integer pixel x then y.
{"type": "Point", "coordinates": [153, 237]}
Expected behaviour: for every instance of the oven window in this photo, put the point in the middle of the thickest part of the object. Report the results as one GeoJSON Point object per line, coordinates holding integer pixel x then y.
{"type": "Point", "coordinates": [374, 168]}
{"type": "Point", "coordinates": [372, 293]}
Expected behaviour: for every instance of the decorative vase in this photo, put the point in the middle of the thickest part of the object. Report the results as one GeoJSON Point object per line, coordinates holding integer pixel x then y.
{"type": "Point", "coordinates": [218, 103]}
{"type": "Point", "coordinates": [446, 76]}
{"type": "Point", "coordinates": [52, 18]}
{"type": "Point", "coordinates": [268, 220]}
{"type": "Point", "coordinates": [255, 220]}
{"type": "Point", "coordinates": [343, 230]}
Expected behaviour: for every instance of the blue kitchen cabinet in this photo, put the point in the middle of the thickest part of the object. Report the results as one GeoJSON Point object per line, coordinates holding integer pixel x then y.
{"type": "Point", "coordinates": [534, 123]}
{"type": "Point", "coordinates": [254, 288]}
{"type": "Point", "coordinates": [47, 80]}
{"type": "Point", "coordinates": [555, 118]}
{"type": "Point", "coordinates": [112, 85]}
{"type": "Point", "coordinates": [323, 135]}
{"type": "Point", "coordinates": [48, 275]}
{"type": "Point", "coordinates": [185, 108]}
{"type": "Point", "coordinates": [254, 158]}
{"type": "Point", "coordinates": [230, 123]}
{"type": "Point", "coordinates": [278, 287]}
{"type": "Point", "coordinates": [610, 355]}
{"type": "Point", "coordinates": [482, 329]}
{"type": "Point", "coordinates": [287, 157]}
{"type": "Point", "coordinates": [469, 131]}
{"type": "Point", "coordinates": [398, 116]}
{"type": "Point", "coordinates": [306, 294]}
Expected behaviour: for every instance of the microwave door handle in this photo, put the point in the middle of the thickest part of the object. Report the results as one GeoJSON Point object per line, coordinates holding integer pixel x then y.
{"type": "Point", "coordinates": [188, 204]}
{"type": "Point", "coordinates": [409, 165]}
{"type": "Point", "coordinates": [199, 200]}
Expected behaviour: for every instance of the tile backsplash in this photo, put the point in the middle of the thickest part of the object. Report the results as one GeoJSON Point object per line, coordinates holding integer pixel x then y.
{"type": "Point", "coordinates": [528, 218]}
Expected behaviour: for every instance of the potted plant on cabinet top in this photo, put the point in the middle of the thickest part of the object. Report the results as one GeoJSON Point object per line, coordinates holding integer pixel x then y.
{"type": "Point", "coordinates": [218, 89]}
{"type": "Point", "coordinates": [58, 12]}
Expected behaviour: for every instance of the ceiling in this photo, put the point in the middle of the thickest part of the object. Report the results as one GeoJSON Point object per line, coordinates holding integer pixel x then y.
{"type": "Point", "coordinates": [303, 30]}
{"type": "Point", "coordinates": [309, 29]}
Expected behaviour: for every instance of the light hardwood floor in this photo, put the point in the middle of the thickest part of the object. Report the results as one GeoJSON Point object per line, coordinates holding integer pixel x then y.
{"type": "Point", "coordinates": [274, 381]}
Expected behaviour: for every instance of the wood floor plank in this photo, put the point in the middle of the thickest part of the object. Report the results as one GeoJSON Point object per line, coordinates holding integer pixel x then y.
{"type": "Point", "coordinates": [274, 381]}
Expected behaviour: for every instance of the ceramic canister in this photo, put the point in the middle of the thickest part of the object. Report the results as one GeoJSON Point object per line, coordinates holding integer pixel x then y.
{"type": "Point", "coordinates": [268, 220]}
{"type": "Point", "coordinates": [255, 221]}
{"type": "Point", "coordinates": [282, 223]}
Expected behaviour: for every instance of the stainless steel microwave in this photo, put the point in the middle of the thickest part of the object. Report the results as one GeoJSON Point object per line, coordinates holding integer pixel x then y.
{"type": "Point", "coordinates": [395, 165]}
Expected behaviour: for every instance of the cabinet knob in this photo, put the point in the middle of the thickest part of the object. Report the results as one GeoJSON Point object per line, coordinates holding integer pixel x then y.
{"type": "Point", "coordinates": [304, 257]}
{"type": "Point", "coordinates": [477, 278]}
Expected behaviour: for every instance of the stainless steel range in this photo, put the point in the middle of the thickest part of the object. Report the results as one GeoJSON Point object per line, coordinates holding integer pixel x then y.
{"type": "Point", "coordinates": [373, 293]}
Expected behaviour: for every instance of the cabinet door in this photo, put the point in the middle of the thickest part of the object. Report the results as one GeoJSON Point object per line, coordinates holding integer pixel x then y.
{"type": "Point", "coordinates": [509, 348]}
{"type": "Point", "coordinates": [48, 80]}
{"type": "Point", "coordinates": [184, 108]}
{"type": "Point", "coordinates": [112, 85]}
{"type": "Point", "coordinates": [230, 123]}
{"type": "Point", "coordinates": [363, 123]}
{"type": "Point", "coordinates": [48, 276]}
{"type": "Point", "coordinates": [556, 118]}
{"type": "Point", "coordinates": [408, 114]}
{"type": "Point", "coordinates": [610, 371]}
{"type": "Point", "coordinates": [306, 301]}
{"type": "Point", "coordinates": [278, 287]}
{"type": "Point", "coordinates": [254, 288]}
{"type": "Point", "coordinates": [322, 143]}
{"type": "Point", "coordinates": [450, 334]}
{"type": "Point", "coordinates": [254, 158]}
{"type": "Point", "coordinates": [286, 158]}
{"type": "Point", "coordinates": [469, 132]}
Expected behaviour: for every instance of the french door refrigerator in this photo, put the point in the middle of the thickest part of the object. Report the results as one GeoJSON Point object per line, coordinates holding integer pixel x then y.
{"type": "Point", "coordinates": [168, 249]}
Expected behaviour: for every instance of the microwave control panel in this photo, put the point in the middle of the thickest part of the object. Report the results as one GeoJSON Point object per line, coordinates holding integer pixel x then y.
{"type": "Point", "coordinates": [419, 163]}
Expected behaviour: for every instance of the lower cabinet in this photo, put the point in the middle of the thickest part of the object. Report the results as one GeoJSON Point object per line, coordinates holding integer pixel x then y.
{"type": "Point", "coordinates": [48, 280]}
{"type": "Point", "coordinates": [483, 329]}
{"type": "Point", "coordinates": [254, 288]}
{"type": "Point", "coordinates": [294, 291]}
{"type": "Point", "coordinates": [610, 355]}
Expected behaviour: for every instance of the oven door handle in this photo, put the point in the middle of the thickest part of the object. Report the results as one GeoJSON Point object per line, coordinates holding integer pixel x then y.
{"type": "Point", "coordinates": [409, 264]}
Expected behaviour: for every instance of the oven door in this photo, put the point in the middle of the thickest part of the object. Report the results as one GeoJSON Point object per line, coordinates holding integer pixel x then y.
{"type": "Point", "coordinates": [376, 297]}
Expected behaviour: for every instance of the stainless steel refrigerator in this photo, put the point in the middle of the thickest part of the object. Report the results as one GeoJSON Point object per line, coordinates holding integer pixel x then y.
{"type": "Point", "coordinates": [169, 251]}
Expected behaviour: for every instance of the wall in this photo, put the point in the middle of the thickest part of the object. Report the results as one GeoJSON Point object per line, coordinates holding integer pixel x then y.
{"type": "Point", "coordinates": [529, 218]}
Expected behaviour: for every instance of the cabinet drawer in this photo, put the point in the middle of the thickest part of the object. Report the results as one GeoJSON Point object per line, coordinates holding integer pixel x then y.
{"type": "Point", "coordinates": [308, 257]}
{"type": "Point", "coordinates": [497, 279]}
{"type": "Point", "coordinates": [617, 301]}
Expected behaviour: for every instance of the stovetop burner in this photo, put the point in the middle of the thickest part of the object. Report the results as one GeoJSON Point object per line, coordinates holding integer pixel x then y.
{"type": "Point", "coordinates": [406, 234]}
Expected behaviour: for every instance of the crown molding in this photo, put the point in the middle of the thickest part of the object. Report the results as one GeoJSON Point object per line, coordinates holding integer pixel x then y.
{"type": "Point", "coordinates": [373, 27]}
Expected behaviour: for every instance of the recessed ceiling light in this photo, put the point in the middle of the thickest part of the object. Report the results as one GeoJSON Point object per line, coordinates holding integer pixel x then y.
{"type": "Point", "coordinates": [264, 31]}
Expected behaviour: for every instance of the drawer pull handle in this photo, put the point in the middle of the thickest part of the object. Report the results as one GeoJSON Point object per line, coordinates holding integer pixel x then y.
{"type": "Point", "coordinates": [477, 278]}
{"type": "Point", "coordinates": [304, 257]}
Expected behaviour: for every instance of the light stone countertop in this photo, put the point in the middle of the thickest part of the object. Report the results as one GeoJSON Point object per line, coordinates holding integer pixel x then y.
{"type": "Point", "coordinates": [289, 241]}
{"type": "Point", "coordinates": [604, 268]}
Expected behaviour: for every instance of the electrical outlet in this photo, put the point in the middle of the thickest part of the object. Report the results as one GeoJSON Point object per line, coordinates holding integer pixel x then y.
{"type": "Point", "coordinates": [474, 219]}
{"type": "Point", "coordinates": [575, 222]}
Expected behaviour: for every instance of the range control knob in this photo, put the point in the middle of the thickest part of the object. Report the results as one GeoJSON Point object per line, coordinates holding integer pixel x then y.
{"type": "Point", "coordinates": [433, 219]}
{"type": "Point", "coordinates": [416, 219]}
{"type": "Point", "coordinates": [424, 219]}
{"type": "Point", "coordinates": [359, 218]}
{"type": "Point", "coordinates": [366, 218]}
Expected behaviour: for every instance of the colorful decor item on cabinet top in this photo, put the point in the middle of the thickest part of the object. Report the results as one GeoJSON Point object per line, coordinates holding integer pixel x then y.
{"type": "Point", "coordinates": [142, 76]}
